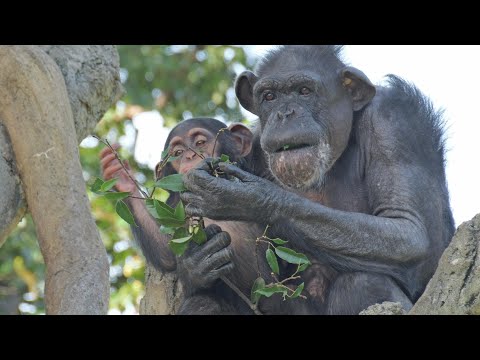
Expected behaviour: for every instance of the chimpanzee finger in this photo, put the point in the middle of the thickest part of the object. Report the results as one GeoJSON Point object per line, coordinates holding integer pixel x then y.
{"type": "Point", "coordinates": [197, 177]}
{"type": "Point", "coordinates": [212, 230]}
{"type": "Point", "coordinates": [111, 171]}
{"type": "Point", "coordinates": [105, 162]}
{"type": "Point", "coordinates": [233, 170]}
{"type": "Point", "coordinates": [107, 149]}
{"type": "Point", "coordinates": [192, 210]}
{"type": "Point", "coordinates": [205, 165]}
{"type": "Point", "coordinates": [215, 244]}
{"type": "Point", "coordinates": [219, 259]}
{"type": "Point", "coordinates": [222, 271]}
{"type": "Point", "coordinates": [189, 198]}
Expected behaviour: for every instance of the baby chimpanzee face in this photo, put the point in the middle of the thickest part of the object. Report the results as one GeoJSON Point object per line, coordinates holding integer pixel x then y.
{"type": "Point", "coordinates": [186, 146]}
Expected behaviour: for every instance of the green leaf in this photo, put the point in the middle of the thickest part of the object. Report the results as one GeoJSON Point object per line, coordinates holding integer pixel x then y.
{"type": "Point", "coordinates": [170, 222]}
{"type": "Point", "coordinates": [124, 212]}
{"type": "Point", "coordinates": [107, 185]}
{"type": "Point", "coordinates": [172, 182]}
{"type": "Point", "coordinates": [303, 267]}
{"type": "Point", "coordinates": [181, 233]}
{"type": "Point", "coordinates": [151, 207]}
{"type": "Point", "coordinates": [97, 184]}
{"type": "Point", "coordinates": [272, 261]}
{"type": "Point", "coordinates": [179, 211]}
{"type": "Point", "coordinates": [179, 245]}
{"type": "Point", "coordinates": [178, 248]}
{"type": "Point", "coordinates": [200, 236]}
{"type": "Point", "coordinates": [291, 256]}
{"type": "Point", "coordinates": [279, 241]}
{"type": "Point", "coordinates": [297, 291]}
{"type": "Point", "coordinates": [164, 213]}
{"type": "Point", "coordinates": [173, 158]}
{"type": "Point", "coordinates": [163, 210]}
{"type": "Point", "coordinates": [224, 158]}
{"type": "Point", "coordinates": [270, 290]}
{"type": "Point", "coordinates": [117, 195]}
{"type": "Point", "coordinates": [182, 240]}
{"type": "Point", "coordinates": [167, 230]}
{"type": "Point", "coordinates": [257, 285]}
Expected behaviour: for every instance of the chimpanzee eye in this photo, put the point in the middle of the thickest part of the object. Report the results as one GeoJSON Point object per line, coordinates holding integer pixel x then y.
{"type": "Point", "coordinates": [305, 91]}
{"type": "Point", "coordinates": [200, 143]}
{"type": "Point", "coordinates": [269, 96]}
{"type": "Point", "coordinates": [178, 153]}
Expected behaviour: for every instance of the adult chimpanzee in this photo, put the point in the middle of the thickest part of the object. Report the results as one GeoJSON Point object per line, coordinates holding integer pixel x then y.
{"type": "Point", "coordinates": [201, 266]}
{"type": "Point", "coordinates": [358, 170]}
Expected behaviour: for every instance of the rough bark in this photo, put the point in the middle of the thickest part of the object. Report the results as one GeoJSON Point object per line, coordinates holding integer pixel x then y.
{"type": "Point", "coordinates": [12, 198]}
{"type": "Point", "coordinates": [35, 110]}
{"type": "Point", "coordinates": [91, 74]}
{"type": "Point", "coordinates": [163, 293]}
{"type": "Point", "coordinates": [385, 308]}
{"type": "Point", "coordinates": [455, 287]}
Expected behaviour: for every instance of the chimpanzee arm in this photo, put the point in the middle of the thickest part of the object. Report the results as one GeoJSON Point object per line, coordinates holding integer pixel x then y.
{"type": "Point", "coordinates": [400, 237]}
{"type": "Point", "coordinates": [154, 244]}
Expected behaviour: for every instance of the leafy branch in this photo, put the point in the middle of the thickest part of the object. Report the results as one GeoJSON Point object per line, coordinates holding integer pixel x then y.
{"type": "Point", "coordinates": [185, 229]}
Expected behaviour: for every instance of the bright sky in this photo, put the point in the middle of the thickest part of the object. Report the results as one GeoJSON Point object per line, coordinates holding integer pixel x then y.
{"type": "Point", "coordinates": [447, 74]}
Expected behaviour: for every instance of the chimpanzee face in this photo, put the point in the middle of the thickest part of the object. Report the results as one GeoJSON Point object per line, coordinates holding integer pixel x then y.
{"type": "Point", "coordinates": [306, 111]}
{"type": "Point", "coordinates": [188, 145]}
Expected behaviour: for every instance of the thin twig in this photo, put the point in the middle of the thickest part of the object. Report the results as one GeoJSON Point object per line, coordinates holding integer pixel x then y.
{"type": "Point", "coordinates": [105, 141]}
{"type": "Point", "coordinates": [196, 153]}
{"type": "Point", "coordinates": [136, 197]}
{"type": "Point", "coordinates": [289, 278]}
{"type": "Point", "coordinates": [265, 232]}
{"type": "Point", "coordinates": [216, 139]}
{"type": "Point", "coordinates": [242, 296]}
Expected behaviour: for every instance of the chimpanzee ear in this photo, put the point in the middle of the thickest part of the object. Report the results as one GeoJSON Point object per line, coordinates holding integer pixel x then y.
{"type": "Point", "coordinates": [244, 90]}
{"type": "Point", "coordinates": [359, 86]}
{"type": "Point", "coordinates": [243, 138]}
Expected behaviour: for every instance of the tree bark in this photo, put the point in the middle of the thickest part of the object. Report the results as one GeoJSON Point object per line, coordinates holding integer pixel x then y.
{"type": "Point", "coordinates": [163, 293]}
{"type": "Point", "coordinates": [455, 287]}
{"type": "Point", "coordinates": [35, 109]}
{"type": "Point", "coordinates": [12, 198]}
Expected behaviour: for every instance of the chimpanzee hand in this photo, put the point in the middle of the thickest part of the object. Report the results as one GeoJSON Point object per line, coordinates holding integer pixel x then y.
{"type": "Point", "coordinates": [111, 168]}
{"type": "Point", "coordinates": [246, 199]}
{"type": "Point", "coordinates": [201, 265]}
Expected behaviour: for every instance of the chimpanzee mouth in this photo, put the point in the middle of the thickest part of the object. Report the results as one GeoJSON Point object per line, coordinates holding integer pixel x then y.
{"type": "Point", "coordinates": [290, 147]}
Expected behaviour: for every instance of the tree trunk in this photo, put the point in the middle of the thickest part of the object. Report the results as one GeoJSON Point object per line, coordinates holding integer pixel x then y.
{"type": "Point", "coordinates": [35, 110]}
{"type": "Point", "coordinates": [163, 293]}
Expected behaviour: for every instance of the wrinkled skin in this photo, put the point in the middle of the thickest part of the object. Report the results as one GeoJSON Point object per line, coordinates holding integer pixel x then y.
{"type": "Point", "coordinates": [201, 265]}
{"type": "Point", "coordinates": [358, 175]}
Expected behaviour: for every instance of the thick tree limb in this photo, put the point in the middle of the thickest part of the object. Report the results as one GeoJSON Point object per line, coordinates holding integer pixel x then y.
{"type": "Point", "coordinates": [35, 109]}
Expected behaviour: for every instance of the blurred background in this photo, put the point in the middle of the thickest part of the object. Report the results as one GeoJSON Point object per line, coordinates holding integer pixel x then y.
{"type": "Point", "coordinates": [168, 83]}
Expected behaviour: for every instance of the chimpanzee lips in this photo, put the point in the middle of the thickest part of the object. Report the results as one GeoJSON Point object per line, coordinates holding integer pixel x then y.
{"type": "Point", "coordinates": [290, 147]}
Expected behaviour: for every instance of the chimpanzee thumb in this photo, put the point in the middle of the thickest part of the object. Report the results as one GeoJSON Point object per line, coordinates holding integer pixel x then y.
{"type": "Point", "coordinates": [233, 170]}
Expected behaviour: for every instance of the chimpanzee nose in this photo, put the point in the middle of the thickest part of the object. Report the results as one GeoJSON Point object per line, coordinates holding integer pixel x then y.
{"type": "Point", "coordinates": [284, 115]}
{"type": "Point", "coordinates": [191, 154]}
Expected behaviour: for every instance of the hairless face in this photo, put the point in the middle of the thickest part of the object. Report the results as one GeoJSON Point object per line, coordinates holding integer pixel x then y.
{"type": "Point", "coordinates": [187, 145]}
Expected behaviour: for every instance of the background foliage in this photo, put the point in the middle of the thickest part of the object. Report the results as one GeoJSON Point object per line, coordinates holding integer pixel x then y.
{"type": "Point", "coordinates": [177, 81]}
